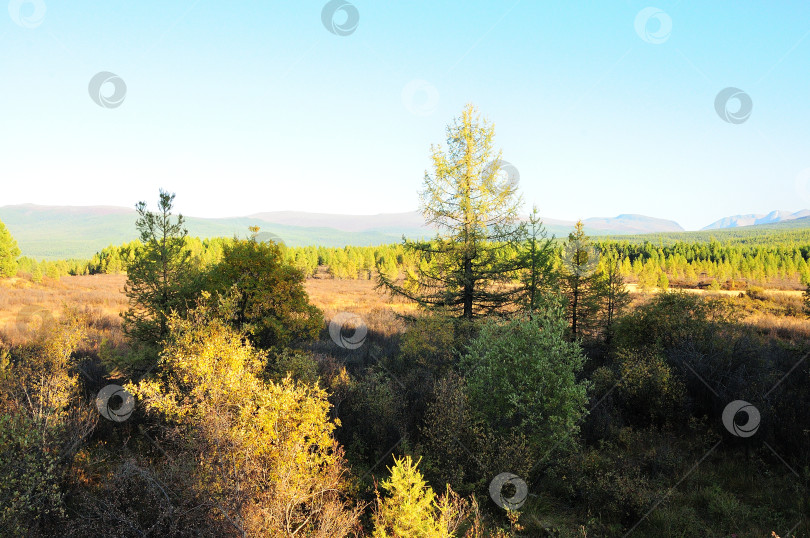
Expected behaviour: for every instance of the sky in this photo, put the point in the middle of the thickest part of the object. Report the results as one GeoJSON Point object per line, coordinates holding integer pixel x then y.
{"type": "Point", "coordinates": [247, 106]}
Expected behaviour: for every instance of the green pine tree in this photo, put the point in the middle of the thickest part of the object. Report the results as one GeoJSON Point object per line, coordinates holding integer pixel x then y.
{"type": "Point", "coordinates": [580, 262]}
{"type": "Point", "coordinates": [538, 277]}
{"type": "Point", "coordinates": [157, 278]}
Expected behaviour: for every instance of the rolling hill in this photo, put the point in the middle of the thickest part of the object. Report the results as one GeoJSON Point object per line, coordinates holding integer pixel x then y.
{"type": "Point", "coordinates": [54, 232]}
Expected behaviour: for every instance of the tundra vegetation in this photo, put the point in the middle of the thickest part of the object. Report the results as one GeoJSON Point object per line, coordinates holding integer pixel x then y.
{"type": "Point", "coordinates": [237, 410]}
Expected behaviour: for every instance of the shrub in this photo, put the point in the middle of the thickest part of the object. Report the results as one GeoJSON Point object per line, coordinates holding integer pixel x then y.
{"type": "Point", "coordinates": [300, 365]}
{"type": "Point", "coordinates": [649, 388]}
{"type": "Point", "coordinates": [523, 374]}
{"type": "Point", "coordinates": [430, 343]}
{"type": "Point", "coordinates": [265, 451]}
{"type": "Point", "coordinates": [756, 292]}
{"type": "Point", "coordinates": [271, 303]}
{"type": "Point", "coordinates": [670, 319]}
{"type": "Point", "coordinates": [43, 420]}
{"type": "Point", "coordinates": [462, 451]}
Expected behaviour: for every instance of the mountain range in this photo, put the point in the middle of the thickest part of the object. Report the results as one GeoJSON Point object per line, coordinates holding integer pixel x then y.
{"type": "Point", "coordinates": [59, 232]}
{"type": "Point", "coordinates": [753, 219]}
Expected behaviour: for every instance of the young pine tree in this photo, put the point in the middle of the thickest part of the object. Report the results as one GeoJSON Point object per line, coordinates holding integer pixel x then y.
{"type": "Point", "coordinates": [463, 270]}
{"type": "Point", "coordinates": [580, 261]}
{"type": "Point", "coordinates": [536, 258]}
{"type": "Point", "coordinates": [157, 277]}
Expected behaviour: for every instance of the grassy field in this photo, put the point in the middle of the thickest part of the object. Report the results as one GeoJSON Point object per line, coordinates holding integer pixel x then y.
{"type": "Point", "coordinates": [24, 304]}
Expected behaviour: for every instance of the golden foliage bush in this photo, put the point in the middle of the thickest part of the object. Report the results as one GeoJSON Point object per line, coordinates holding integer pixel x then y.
{"type": "Point", "coordinates": [265, 451]}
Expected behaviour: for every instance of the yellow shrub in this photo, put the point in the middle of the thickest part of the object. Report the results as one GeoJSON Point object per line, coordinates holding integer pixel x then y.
{"type": "Point", "coordinates": [265, 450]}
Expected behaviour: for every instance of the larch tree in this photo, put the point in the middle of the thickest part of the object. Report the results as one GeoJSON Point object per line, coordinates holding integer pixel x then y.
{"type": "Point", "coordinates": [612, 294]}
{"type": "Point", "coordinates": [9, 252]}
{"type": "Point", "coordinates": [412, 508]}
{"type": "Point", "coordinates": [474, 204]}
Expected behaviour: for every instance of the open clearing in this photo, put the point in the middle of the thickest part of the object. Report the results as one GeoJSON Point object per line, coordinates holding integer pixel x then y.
{"type": "Point", "coordinates": [24, 304]}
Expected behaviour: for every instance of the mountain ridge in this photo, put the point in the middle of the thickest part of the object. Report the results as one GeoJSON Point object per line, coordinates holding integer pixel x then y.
{"type": "Point", "coordinates": [58, 232]}
{"type": "Point", "coordinates": [755, 219]}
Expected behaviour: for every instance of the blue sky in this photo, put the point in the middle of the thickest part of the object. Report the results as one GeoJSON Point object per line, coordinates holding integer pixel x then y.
{"type": "Point", "coordinates": [247, 106]}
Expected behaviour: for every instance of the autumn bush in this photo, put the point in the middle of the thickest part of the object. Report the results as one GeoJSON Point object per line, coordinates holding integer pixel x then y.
{"type": "Point", "coordinates": [44, 417]}
{"type": "Point", "coordinates": [270, 301]}
{"type": "Point", "coordinates": [265, 451]}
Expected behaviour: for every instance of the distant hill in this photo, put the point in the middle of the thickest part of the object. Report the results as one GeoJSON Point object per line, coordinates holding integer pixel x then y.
{"type": "Point", "coordinates": [795, 231]}
{"type": "Point", "coordinates": [347, 223]}
{"type": "Point", "coordinates": [50, 232]}
{"type": "Point", "coordinates": [755, 219]}
{"type": "Point", "coordinates": [412, 222]}
{"type": "Point", "coordinates": [632, 224]}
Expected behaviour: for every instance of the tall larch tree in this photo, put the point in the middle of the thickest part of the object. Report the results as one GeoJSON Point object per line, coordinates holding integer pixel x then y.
{"type": "Point", "coordinates": [474, 205]}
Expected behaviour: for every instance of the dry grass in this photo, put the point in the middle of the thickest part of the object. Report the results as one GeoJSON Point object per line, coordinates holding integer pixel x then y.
{"type": "Point", "coordinates": [25, 305]}
{"type": "Point", "coordinates": [358, 296]}
{"type": "Point", "coordinates": [633, 288]}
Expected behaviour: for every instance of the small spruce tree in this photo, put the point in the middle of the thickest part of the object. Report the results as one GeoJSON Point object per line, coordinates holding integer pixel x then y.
{"type": "Point", "coordinates": [412, 508]}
